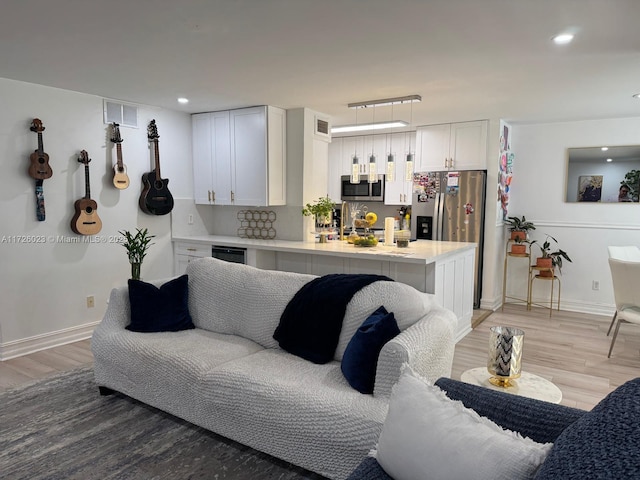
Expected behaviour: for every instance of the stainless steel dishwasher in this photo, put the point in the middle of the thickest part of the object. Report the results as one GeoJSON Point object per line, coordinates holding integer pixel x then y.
{"type": "Point", "coordinates": [229, 254]}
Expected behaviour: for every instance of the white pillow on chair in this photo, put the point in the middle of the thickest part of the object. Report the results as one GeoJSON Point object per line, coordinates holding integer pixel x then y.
{"type": "Point", "coordinates": [427, 435]}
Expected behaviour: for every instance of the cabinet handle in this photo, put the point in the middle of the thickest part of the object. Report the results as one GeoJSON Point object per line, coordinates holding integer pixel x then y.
{"type": "Point", "coordinates": [191, 249]}
{"type": "Point", "coordinates": [213, 196]}
{"type": "Point", "coordinates": [400, 199]}
{"type": "Point", "coordinates": [232, 196]}
{"type": "Point", "coordinates": [209, 195]}
{"type": "Point", "coordinates": [446, 162]}
{"type": "Point", "coordinates": [451, 162]}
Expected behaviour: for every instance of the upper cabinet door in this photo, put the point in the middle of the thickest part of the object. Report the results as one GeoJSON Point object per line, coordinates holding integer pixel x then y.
{"type": "Point", "coordinates": [221, 148]}
{"type": "Point", "coordinates": [468, 148]}
{"type": "Point", "coordinates": [202, 158]}
{"type": "Point", "coordinates": [432, 147]}
{"type": "Point", "coordinates": [249, 153]}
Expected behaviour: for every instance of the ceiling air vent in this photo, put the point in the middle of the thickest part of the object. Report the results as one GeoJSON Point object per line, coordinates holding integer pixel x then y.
{"type": "Point", "coordinates": [322, 128]}
{"type": "Point", "coordinates": [120, 113]}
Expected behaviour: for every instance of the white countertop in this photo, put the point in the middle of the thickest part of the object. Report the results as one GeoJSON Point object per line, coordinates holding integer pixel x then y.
{"type": "Point", "coordinates": [420, 251]}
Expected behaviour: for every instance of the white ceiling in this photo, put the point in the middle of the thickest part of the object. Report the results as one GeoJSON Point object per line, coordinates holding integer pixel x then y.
{"type": "Point", "coordinates": [469, 59]}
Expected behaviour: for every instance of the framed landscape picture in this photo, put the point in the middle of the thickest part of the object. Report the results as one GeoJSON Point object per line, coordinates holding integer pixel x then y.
{"type": "Point", "coordinates": [589, 188]}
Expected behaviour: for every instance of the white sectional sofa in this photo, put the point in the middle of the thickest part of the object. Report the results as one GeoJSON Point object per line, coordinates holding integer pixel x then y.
{"type": "Point", "coordinates": [230, 376]}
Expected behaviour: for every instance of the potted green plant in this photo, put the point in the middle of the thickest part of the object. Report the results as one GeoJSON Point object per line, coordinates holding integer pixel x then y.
{"type": "Point", "coordinates": [550, 258]}
{"type": "Point", "coordinates": [322, 209]}
{"type": "Point", "coordinates": [519, 227]}
{"type": "Point", "coordinates": [137, 246]}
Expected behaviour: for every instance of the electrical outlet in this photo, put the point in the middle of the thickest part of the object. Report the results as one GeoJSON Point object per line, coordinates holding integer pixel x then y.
{"type": "Point", "coordinates": [190, 219]}
{"type": "Point", "coordinates": [91, 301]}
{"type": "Point", "coordinates": [595, 285]}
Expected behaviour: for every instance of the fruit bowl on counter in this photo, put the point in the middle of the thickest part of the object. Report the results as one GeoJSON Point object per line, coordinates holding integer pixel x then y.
{"type": "Point", "coordinates": [369, 240]}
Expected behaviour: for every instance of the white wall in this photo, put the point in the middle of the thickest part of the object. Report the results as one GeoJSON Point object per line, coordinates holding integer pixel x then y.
{"type": "Point", "coordinates": [45, 285]}
{"type": "Point", "coordinates": [583, 230]}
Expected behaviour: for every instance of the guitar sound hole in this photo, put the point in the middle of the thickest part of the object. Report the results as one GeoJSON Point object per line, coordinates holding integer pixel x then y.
{"type": "Point", "coordinates": [88, 210]}
{"type": "Point", "coordinates": [41, 160]}
{"type": "Point", "coordinates": [158, 185]}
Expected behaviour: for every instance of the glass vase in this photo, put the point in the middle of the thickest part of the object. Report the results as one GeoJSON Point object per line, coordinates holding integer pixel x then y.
{"type": "Point", "coordinates": [135, 270]}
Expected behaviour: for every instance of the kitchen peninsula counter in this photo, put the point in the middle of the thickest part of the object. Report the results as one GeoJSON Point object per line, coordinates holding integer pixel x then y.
{"type": "Point", "coordinates": [445, 269]}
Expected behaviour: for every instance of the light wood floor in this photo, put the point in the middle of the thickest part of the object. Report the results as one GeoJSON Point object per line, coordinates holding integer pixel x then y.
{"type": "Point", "coordinates": [569, 349]}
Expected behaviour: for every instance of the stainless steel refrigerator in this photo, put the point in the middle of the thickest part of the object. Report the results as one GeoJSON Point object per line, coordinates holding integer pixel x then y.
{"type": "Point", "coordinates": [450, 206]}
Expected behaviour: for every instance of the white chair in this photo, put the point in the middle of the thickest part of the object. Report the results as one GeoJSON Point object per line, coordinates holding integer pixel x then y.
{"type": "Point", "coordinates": [626, 290]}
{"type": "Point", "coordinates": [628, 253]}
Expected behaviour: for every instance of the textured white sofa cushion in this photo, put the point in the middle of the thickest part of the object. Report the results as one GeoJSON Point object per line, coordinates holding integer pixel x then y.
{"type": "Point", "coordinates": [425, 434]}
{"type": "Point", "coordinates": [238, 299]}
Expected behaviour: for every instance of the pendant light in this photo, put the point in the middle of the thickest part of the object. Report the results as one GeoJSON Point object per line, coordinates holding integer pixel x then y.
{"type": "Point", "coordinates": [355, 163]}
{"type": "Point", "coordinates": [373, 174]}
{"type": "Point", "coordinates": [391, 165]}
{"type": "Point", "coordinates": [408, 168]}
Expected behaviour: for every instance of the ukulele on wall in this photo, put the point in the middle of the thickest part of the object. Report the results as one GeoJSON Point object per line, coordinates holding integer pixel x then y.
{"type": "Point", "coordinates": [155, 199]}
{"type": "Point", "coordinates": [120, 177]}
{"type": "Point", "coordinates": [86, 220]}
{"type": "Point", "coordinates": [39, 169]}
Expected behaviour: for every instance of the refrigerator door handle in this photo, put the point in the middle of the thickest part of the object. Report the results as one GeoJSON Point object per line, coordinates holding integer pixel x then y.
{"type": "Point", "coordinates": [441, 216]}
{"type": "Point", "coordinates": [437, 229]}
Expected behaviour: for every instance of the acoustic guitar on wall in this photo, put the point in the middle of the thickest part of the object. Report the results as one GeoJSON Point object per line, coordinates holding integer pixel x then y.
{"type": "Point", "coordinates": [120, 177]}
{"type": "Point", "coordinates": [39, 168]}
{"type": "Point", "coordinates": [155, 198]}
{"type": "Point", "coordinates": [86, 220]}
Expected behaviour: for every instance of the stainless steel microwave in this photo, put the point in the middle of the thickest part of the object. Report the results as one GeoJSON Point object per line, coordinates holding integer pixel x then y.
{"type": "Point", "coordinates": [363, 191]}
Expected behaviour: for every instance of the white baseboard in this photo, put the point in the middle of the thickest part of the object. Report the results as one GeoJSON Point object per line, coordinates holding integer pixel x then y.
{"type": "Point", "coordinates": [25, 346]}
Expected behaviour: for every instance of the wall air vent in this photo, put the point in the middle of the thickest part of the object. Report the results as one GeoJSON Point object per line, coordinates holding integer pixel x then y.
{"type": "Point", "coordinates": [120, 113]}
{"type": "Point", "coordinates": [322, 128]}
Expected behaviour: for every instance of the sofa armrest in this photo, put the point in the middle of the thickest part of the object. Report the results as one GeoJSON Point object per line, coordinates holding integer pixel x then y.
{"type": "Point", "coordinates": [118, 313]}
{"type": "Point", "coordinates": [427, 346]}
{"type": "Point", "coordinates": [541, 421]}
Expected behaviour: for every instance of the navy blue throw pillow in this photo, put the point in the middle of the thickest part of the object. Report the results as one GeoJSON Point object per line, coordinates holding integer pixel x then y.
{"type": "Point", "coordinates": [360, 358]}
{"type": "Point", "coordinates": [163, 309]}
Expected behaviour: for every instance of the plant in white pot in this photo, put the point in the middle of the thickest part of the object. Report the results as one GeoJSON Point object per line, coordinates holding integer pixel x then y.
{"type": "Point", "coordinates": [322, 210]}
{"type": "Point", "coordinates": [137, 245]}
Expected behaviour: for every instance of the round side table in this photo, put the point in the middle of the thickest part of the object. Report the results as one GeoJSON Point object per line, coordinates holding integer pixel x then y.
{"type": "Point", "coordinates": [528, 385]}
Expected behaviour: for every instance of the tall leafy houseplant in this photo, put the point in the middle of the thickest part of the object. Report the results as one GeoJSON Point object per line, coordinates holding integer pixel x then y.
{"type": "Point", "coordinates": [322, 209]}
{"type": "Point", "coordinates": [555, 257]}
{"type": "Point", "coordinates": [137, 246]}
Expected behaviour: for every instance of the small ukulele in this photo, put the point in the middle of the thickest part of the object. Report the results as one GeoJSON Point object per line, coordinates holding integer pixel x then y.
{"type": "Point", "coordinates": [39, 168]}
{"type": "Point", "coordinates": [86, 220]}
{"type": "Point", "coordinates": [155, 198]}
{"type": "Point", "coordinates": [120, 177]}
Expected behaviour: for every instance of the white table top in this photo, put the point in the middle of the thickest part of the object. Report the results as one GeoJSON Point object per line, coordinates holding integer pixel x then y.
{"type": "Point", "coordinates": [528, 385]}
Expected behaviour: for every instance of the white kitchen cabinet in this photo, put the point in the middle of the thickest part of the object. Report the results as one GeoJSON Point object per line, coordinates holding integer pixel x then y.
{"type": "Point", "coordinates": [185, 252]}
{"type": "Point", "coordinates": [240, 157]}
{"type": "Point", "coordinates": [452, 146]}
{"type": "Point", "coordinates": [398, 191]}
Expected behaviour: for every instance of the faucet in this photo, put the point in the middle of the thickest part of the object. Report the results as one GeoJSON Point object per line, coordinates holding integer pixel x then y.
{"type": "Point", "coordinates": [342, 209]}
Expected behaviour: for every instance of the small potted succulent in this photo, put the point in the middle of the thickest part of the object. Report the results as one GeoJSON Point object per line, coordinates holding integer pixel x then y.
{"type": "Point", "coordinates": [548, 258]}
{"type": "Point", "coordinates": [137, 246]}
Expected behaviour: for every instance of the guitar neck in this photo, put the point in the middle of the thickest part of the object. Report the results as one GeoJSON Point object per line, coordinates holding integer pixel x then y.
{"type": "Point", "coordinates": [157, 159]}
{"type": "Point", "coordinates": [119, 153]}
{"type": "Point", "coordinates": [40, 144]}
{"type": "Point", "coordinates": [86, 181]}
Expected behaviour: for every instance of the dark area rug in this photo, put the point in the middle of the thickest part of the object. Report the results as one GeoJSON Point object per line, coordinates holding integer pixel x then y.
{"type": "Point", "coordinates": [62, 428]}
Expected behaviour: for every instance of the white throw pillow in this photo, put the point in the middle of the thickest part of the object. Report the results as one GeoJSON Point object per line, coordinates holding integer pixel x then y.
{"type": "Point", "coordinates": [427, 435]}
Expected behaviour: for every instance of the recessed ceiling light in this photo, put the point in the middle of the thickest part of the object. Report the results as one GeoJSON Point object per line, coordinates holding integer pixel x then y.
{"type": "Point", "coordinates": [604, 149]}
{"type": "Point", "coordinates": [637, 95]}
{"type": "Point", "coordinates": [563, 38]}
{"type": "Point", "coordinates": [183, 100]}
{"type": "Point", "coordinates": [609, 160]}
